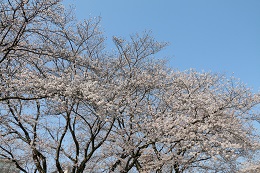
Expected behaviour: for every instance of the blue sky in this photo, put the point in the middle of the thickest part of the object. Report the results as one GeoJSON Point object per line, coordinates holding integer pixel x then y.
{"type": "Point", "coordinates": [221, 36]}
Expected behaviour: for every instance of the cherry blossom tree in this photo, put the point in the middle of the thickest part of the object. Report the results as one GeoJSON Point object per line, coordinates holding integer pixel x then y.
{"type": "Point", "coordinates": [66, 101]}
{"type": "Point", "coordinates": [182, 122]}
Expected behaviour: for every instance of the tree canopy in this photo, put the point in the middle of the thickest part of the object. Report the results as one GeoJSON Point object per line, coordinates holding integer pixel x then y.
{"type": "Point", "coordinates": [67, 101]}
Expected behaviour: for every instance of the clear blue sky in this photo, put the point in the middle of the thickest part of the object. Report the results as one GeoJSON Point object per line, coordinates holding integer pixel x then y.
{"type": "Point", "coordinates": [220, 36]}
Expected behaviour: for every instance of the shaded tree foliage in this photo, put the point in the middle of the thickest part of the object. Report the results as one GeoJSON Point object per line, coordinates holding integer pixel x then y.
{"type": "Point", "coordinates": [66, 101]}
